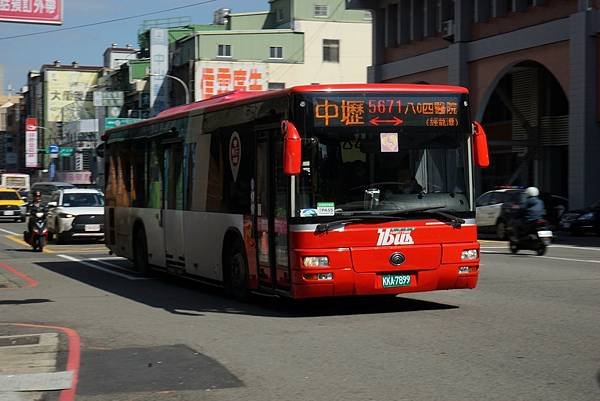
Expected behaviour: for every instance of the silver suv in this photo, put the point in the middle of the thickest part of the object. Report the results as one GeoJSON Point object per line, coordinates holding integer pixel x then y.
{"type": "Point", "coordinates": [76, 213]}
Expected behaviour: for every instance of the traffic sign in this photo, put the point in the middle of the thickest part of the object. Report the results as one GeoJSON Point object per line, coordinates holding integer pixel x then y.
{"type": "Point", "coordinates": [112, 122]}
{"type": "Point", "coordinates": [53, 149]}
{"type": "Point", "coordinates": [66, 152]}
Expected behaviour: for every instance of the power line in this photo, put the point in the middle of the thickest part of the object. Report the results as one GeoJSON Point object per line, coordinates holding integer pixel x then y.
{"type": "Point", "coordinates": [108, 21]}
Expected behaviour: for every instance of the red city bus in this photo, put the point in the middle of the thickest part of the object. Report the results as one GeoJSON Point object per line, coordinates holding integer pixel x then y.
{"type": "Point", "coordinates": [311, 191]}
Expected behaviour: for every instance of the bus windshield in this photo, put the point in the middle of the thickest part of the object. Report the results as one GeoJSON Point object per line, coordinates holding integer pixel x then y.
{"type": "Point", "coordinates": [384, 160]}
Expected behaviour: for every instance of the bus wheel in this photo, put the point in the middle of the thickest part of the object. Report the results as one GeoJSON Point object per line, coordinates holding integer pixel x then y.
{"type": "Point", "coordinates": [236, 279]}
{"type": "Point", "coordinates": [140, 252]}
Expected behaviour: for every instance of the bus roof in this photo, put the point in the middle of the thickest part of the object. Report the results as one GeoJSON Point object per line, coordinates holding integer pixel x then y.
{"type": "Point", "coordinates": [235, 97]}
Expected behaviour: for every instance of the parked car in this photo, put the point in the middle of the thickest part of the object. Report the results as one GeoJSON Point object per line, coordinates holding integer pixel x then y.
{"type": "Point", "coordinates": [493, 209]}
{"type": "Point", "coordinates": [12, 207]}
{"type": "Point", "coordinates": [582, 221]}
{"type": "Point", "coordinates": [48, 188]}
{"type": "Point", "coordinates": [76, 213]}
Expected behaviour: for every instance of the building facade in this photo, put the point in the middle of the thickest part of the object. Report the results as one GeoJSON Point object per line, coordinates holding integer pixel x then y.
{"type": "Point", "coordinates": [293, 43]}
{"type": "Point", "coordinates": [10, 137]}
{"type": "Point", "coordinates": [60, 94]}
{"type": "Point", "coordinates": [532, 70]}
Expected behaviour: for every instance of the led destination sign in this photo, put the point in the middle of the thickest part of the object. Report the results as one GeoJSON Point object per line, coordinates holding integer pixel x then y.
{"type": "Point", "coordinates": [414, 111]}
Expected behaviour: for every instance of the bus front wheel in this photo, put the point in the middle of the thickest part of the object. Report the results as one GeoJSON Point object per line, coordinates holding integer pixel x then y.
{"type": "Point", "coordinates": [140, 252]}
{"type": "Point", "coordinates": [236, 279]}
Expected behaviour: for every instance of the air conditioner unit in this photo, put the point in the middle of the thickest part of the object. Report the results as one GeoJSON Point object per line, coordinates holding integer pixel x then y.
{"type": "Point", "coordinates": [448, 30]}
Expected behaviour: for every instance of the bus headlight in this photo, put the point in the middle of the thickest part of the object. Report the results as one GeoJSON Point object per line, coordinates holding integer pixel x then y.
{"type": "Point", "coordinates": [315, 261]}
{"type": "Point", "coordinates": [469, 254]}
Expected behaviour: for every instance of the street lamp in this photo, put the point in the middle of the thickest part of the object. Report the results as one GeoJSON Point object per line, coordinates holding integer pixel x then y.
{"type": "Point", "coordinates": [185, 87]}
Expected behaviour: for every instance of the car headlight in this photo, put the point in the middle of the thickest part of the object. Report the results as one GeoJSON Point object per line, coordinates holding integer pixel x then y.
{"type": "Point", "coordinates": [65, 215]}
{"type": "Point", "coordinates": [586, 216]}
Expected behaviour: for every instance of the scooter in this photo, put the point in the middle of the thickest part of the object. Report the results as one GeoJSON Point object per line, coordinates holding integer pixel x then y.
{"type": "Point", "coordinates": [38, 237]}
{"type": "Point", "coordinates": [537, 238]}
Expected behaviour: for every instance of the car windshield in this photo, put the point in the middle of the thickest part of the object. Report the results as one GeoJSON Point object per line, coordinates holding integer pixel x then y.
{"type": "Point", "coordinates": [9, 196]}
{"type": "Point", "coordinates": [82, 200]}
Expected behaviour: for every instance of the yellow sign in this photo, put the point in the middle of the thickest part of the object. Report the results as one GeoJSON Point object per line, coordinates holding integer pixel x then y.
{"type": "Point", "coordinates": [65, 88]}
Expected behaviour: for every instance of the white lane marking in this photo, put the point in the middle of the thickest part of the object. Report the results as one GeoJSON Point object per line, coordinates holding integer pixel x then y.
{"type": "Point", "coordinates": [93, 266]}
{"type": "Point", "coordinates": [547, 257]}
{"type": "Point", "coordinates": [586, 248]}
{"type": "Point", "coordinates": [8, 231]}
{"type": "Point", "coordinates": [567, 259]}
{"type": "Point", "coordinates": [103, 261]}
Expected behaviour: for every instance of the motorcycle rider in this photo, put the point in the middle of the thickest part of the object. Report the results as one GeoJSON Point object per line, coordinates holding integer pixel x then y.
{"type": "Point", "coordinates": [532, 209]}
{"type": "Point", "coordinates": [32, 208]}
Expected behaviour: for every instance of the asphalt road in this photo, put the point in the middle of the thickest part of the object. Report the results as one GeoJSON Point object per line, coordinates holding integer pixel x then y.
{"type": "Point", "coordinates": [529, 331]}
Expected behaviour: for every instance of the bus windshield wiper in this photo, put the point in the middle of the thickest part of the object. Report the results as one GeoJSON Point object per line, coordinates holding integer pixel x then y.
{"type": "Point", "coordinates": [455, 221]}
{"type": "Point", "coordinates": [324, 227]}
{"type": "Point", "coordinates": [355, 217]}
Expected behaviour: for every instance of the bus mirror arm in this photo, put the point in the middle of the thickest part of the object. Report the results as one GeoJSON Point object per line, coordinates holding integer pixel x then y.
{"type": "Point", "coordinates": [292, 148]}
{"type": "Point", "coordinates": [480, 146]}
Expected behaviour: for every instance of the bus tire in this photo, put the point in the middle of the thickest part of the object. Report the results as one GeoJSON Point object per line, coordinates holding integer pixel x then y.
{"type": "Point", "coordinates": [140, 252]}
{"type": "Point", "coordinates": [236, 271]}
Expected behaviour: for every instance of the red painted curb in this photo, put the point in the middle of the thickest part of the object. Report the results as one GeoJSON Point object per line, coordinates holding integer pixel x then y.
{"type": "Point", "coordinates": [31, 283]}
{"type": "Point", "coordinates": [73, 358]}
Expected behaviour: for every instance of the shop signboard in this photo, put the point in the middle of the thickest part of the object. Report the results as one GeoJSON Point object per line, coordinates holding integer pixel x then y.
{"type": "Point", "coordinates": [213, 78]}
{"type": "Point", "coordinates": [32, 11]}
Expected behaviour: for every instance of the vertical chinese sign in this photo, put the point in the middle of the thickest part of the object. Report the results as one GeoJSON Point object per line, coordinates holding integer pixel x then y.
{"type": "Point", "coordinates": [31, 142]}
{"type": "Point", "coordinates": [159, 67]}
{"type": "Point", "coordinates": [32, 11]}
{"type": "Point", "coordinates": [216, 78]}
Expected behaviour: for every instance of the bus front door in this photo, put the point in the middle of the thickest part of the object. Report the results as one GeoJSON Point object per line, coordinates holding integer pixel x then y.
{"type": "Point", "coordinates": [271, 212]}
{"type": "Point", "coordinates": [172, 209]}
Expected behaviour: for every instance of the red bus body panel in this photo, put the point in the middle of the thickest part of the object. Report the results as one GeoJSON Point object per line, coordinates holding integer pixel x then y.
{"type": "Point", "coordinates": [358, 264]}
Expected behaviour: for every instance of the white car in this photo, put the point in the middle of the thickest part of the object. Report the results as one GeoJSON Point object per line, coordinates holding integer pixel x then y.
{"type": "Point", "coordinates": [76, 213]}
{"type": "Point", "coordinates": [490, 214]}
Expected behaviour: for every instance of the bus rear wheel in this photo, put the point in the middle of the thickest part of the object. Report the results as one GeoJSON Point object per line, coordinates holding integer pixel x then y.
{"type": "Point", "coordinates": [236, 279]}
{"type": "Point", "coordinates": [140, 252]}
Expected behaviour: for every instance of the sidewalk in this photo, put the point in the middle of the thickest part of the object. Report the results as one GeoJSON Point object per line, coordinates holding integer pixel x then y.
{"type": "Point", "coordinates": [34, 362]}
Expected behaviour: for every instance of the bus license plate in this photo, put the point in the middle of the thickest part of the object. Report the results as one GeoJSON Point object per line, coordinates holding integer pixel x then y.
{"type": "Point", "coordinates": [92, 227]}
{"type": "Point", "coordinates": [9, 213]}
{"type": "Point", "coordinates": [396, 280]}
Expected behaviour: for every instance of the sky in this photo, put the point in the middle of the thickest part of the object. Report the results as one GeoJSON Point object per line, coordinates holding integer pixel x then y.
{"type": "Point", "coordinates": [86, 45]}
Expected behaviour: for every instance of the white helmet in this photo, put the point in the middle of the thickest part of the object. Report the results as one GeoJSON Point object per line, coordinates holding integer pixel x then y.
{"type": "Point", "coordinates": [532, 191]}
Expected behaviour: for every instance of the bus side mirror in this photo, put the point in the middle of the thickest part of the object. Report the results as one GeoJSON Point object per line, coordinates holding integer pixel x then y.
{"type": "Point", "coordinates": [480, 146]}
{"type": "Point", "coordinates": [292, 148]}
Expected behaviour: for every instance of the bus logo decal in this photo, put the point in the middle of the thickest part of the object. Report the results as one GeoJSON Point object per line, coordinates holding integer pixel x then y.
{"type": "Point", "coordinates": [235, 154]}
{"type": "Point", "coordinates": [394, 236]}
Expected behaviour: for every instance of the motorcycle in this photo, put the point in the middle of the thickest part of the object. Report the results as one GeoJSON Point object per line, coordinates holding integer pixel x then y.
{"type": "Point", "coordinates": [535, 237]}
{"type": "Point", "coordinates": [38, 237]}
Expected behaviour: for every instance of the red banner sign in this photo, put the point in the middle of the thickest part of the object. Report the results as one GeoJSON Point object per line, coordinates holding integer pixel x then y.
{"type": "Point", "coordinates": [32, 11]}
{"type": "Point", "coordinates": [31, 142]}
